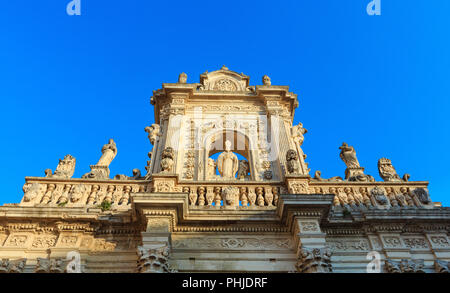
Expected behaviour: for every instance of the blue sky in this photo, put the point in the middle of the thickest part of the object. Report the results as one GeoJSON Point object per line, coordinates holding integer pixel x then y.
{"type": "Point", "coordinates": [379, 83]}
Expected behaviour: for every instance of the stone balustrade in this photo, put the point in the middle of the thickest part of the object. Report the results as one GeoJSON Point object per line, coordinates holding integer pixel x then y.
{"type": "Point", "coordinates": [79, 192]}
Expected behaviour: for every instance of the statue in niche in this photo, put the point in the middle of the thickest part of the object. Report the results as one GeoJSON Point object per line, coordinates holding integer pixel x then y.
{"type": "Point", "coordinates": [154, 132]}
{"type": "Point", "coordinates": [228, 162]}
{"type": "Point", "coordinates": [297, 133]}
{"type": "Point", "coordinates": [211, 169]}
{"type": "Point", "coordinates": [348, 155]}
{"type": "Point", "coordinates": [243, 169]}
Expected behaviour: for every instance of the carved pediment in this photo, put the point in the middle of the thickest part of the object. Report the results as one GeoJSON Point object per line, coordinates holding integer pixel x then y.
{"type": "Point", "coordinates": [224, 80]}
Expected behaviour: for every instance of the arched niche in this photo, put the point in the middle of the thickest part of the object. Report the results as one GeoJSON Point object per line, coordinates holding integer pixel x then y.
{"type": "Point", "coordinates": [240, 144]}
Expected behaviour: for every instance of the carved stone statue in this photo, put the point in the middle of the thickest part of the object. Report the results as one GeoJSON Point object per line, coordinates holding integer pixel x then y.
{"type": "Point", "coordinates": [297, 133]}
{"type": "Point", "coordinates": [167, 157]}
{"type": "Point", "coordinates": [101, 169]}
{"type": "Point", "coordinates": [211, 169]}
{"type": "Point", "coordinates": [65, 168]}
{"type": "Point", "coordinates": [266, 80]}
{"type": "Point", "coordinates": [243, 170]}
{"type": "Point", "coordinates": [317, 176]}
{"type": "Point", "coordinates": [348, 155]}
{"type": "Point", "coordinates": [109, 152]}
{"type": "Point", "coordinates": [182, 78]}
{"type": "Point", "coordinates": [154, 132]}
{"type": "Point", "coordinates": [387, 171]}
{"type": "Point", "coordinates": [136, 176]}
{"type": "Point", "coordinates": [293, 165]}
{"type": "Point", "coordinates": [228, 162]}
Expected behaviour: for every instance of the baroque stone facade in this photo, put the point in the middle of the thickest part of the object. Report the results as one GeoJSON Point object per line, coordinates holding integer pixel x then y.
{"type": "Point", "coordinates": [227, 189]}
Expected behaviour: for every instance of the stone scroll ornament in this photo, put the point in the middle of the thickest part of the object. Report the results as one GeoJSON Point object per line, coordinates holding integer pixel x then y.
{"type": "Point", "coordinates": [65, 168]}
{"type": "Point", "coordinates": [227, 162]}
{"type": "Point", "coordinates": [101, 169]}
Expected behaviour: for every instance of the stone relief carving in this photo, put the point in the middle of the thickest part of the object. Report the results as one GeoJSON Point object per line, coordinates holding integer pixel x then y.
{"type": "Point", "coordinates": [387, 171]}
{"type": "Point", "coordinates": [392, 242]}
{"type": "Point", "coordinates": [422, 195]}
{"type": "Point", "coordinates": [314, 260]}
{"type": "Point", "coordinates": [405, 266]}
{"type": "Point", "coordinates": [293, 166]}
{"type": "Point", "coordinates": [439, 241]}
{"type": "Point", "coordinates": [415, 243]}
{"type": "Point", "coordinates": [47, 265]}
{"type": "Point", "coordinates": [233, 243]}
{"type": "Point", "coordinates": [154, 260]}
{"type": "Point", "coordinates": [12, 266]}
{"type": "Point", "coordinates": [44, 241]}
{"type": "Point", "coordinates": [243, 170]}
{"type": "Point", "coordinates": [348, 245]}
{"type": "Point", "coordinates": [32, 192]}
{"type": "Point", "coordinates": [230, 195]}
{"type": "Point", "coordinates": [379, 196]}
{"type": "Point", "coordinates": [101, 169]}
{"type": "Point", "coordinates": [227, 162]}
{"type": "Point", "coordinates": [167, 158]}
{"type": "Point", "coordinates": [65, 168]}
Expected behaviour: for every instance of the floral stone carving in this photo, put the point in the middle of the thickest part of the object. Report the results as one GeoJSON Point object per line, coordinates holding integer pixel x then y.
{"type": "Point", "coordinates": [154, 260]}
{"type": "Point", "coordinates": [314, 260]}
{"type": "Point", "coordinates": [405, 266]}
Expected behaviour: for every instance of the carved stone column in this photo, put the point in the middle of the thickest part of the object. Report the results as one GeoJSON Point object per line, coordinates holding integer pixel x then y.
{"type": "Point", "coordinates": [312, 253]}
{"type": "Point", "coordinates": [154, 254]}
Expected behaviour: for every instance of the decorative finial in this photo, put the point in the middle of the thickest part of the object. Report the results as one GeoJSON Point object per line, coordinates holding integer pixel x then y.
{"type": "Point", "coordinates": [266, 80]}
{"type": "Point", "coordinates": [224, 67]}
{"type": "Point", "coordinates": [182, 78]}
